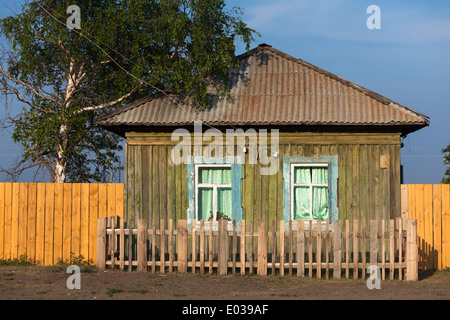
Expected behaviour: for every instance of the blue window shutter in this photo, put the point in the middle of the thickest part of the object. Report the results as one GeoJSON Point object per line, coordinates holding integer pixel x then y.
{"type": "Point", "coordinates": [190, 190]}
{"type": "Point", "coordinates": [236, 193]}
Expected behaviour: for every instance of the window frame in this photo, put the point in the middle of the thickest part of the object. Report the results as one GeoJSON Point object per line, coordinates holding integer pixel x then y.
{"type": "Point", "coordinates": [310, 185]}
{"type": "Point", "coordinates": [333, 174]}
{"type": "Point", "coordinates": [198, 185]}
{"type": "Point", "coordinates": [236, 190]}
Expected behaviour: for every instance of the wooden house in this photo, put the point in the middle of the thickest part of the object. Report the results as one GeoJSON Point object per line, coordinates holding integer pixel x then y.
{"type": "Point", "coordinates": [314, 145]}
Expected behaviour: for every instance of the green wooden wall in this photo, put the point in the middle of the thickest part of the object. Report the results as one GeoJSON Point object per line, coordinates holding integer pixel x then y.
{"type": "Point", "coordinates": [157, 189]}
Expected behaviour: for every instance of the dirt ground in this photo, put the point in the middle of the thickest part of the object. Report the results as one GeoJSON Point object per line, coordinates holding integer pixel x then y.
{"type": "Point", "coordinates": [49, 283]}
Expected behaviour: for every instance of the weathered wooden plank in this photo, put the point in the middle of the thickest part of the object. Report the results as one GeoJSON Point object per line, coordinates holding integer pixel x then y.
{"type": "Point", "coordinates": [23, 220]}
{"type": "Point", "coordinates": [445, 226]}
{"type": "Point", "coordinates": [58, 222]}
{"type": "Point", "coordinates": [412, 266]}
{"type": "Point", "coordinates": [300, 248]}
{"type": "Point", "coordinates": [122, 244]}
{"type": "Point", "coordinates": [337, 256]}
{"type": "Point", "coordinates": [242, 253]}
{"type": "Point", "coordinates": [31, 229]}
{"type": "Point", "coordinates": [355, 249]}
{"type": "Point", "coordinates": [40, 222]}
{"type": "Point", "coordinates": [84, 219]}
{"type": "Point", "coordinates": [428, 226]}
{"type": "Point", "coordinates": [162, 255]}
{"type": "Point", "coordinates": [373, 242]}
{"type": "Point", "coordinates": [282, 248]}
{"type": "Point", "coordinates": [391, 249]}
{"type": "Point", "coordinates": [222, 260]}
{"type": "Point", "coordinates": [193, 239]}
{"type": "Point", "coordinates": [347, 248]}
{"type": "Point", "coordinates": [202, 246]}
{"type": "Point", "coordinates": [262, 247]}
{"type": "Point", "coordinates": [101, 244]}
{"type": "Point", "coordinates": [48, 226]}
{"type": "Point", "coordinates": [142, 245]}
{"type": "Point", "coordinates": [15, 220]}
{"type": "Point", "coordinates": [290, 243]}
{"type": "Point", "coordinates": [437, 226]}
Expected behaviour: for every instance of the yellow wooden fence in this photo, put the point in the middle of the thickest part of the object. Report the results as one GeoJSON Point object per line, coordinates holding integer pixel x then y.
{"type": "Point", "coordinates": [430, 205]}
{"type": "Point", "coordinates": [47, 222]}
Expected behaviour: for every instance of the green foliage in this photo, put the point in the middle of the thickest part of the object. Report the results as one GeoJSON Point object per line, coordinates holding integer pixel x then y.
{"type": "Point", "coordinates": [78, 260]}
{"type": "Point", "coordinates": [220, 216]}
{"type": "Point", "coordinates": [446, 152]}
{"type": "Point", "coordinates": [124, 51]}
{"type": "Point", "coordinates": [23, 260]}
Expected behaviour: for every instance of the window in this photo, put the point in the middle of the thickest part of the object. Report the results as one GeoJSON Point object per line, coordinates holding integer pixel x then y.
{"type": "Point", "coordinates": [213, 192]}
{"type": "Point", "coordinates": [310, 188]}
{"type": "Point", "coordinates": [214, 188]}
{"type": "Point", "coordinates": [309, 191]}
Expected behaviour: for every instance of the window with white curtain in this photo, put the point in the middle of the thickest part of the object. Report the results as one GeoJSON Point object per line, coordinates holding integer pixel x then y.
{"type": "Point", "coordinates": [309, 191]}
{"type": "Point", "coordinates": [213, 192]}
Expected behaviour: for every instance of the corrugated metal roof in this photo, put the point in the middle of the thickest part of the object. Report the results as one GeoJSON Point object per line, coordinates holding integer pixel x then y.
{"type": "Point", "coordinates": [273, 88]}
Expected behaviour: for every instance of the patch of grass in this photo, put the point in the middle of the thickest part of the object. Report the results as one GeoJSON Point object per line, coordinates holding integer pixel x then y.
{"type": "Point", "coordinates": [139, 291]}
{"type": "Point", "coordinates": [86, 266]}
{"type": "Point", "coordinates": [111, 292]}
{"type": "Point", "coordinates": [23, 260]}
{"type": "Point", "coordinates": [42, 292]}
{"type": "Point", "coordinates": [78, 260]}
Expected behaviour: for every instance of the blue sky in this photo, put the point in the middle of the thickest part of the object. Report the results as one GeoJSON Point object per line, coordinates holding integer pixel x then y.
{"type": "Point", "coordinates": [407, 60]}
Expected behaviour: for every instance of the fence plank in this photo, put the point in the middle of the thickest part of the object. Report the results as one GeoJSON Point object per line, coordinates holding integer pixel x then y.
{"type": "Point", "coordinates": [122, 245]}
{"type": "Point", "coordinates": [223, 228]}
{"type": "Point", "coordinates": [49, 215]}
{"type": "Point", "coordinates": [202, 246]}
{"type": "Point", "coordinates": [300, 248]}
{"type": "Point", "coordinates": [412, 266]}
{"type": "Point", "coordinates": [101, 244]}
{"type": "Point", "coordinates": [162, 255]}
{"type": "Point", "coordinates": [15, 220]}
{"type": "Point", "coordinates": [373, 241]}
{"type": "Point", "coordinates": [445, 226]}
{"type": "Point", "coordinates": [170, 244]}
{"type": "Point", "coordinates": [355, 249]}
{"type": "Point", "coordinates": [437, 226]}
{"type": "Point", "coordinates": [262, 248]}
{"type": "Point", "coordinates": [2, 220]}
{"type": "Point", "coordinates": [31, 231]}
{"type": "Point", "coordinates": [23, 220]}
{"type": "Point", "coordinates": [142, 245]}
{"type": "Point", "coordinates": [337, 250]}
{"type": "Point", "coordinates": [243, 238]}
{"type": "Point", "coordinates": [194, 223]}
{"type": "Point", "coordinates": [182, 246]}
{"type": "Point", "coordinates": [319, 249]}
{"type": "Point", "coordinates": [282, 253]}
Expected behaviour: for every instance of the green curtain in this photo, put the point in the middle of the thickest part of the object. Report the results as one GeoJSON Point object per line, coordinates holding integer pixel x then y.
{"type": "Point", "coordinates": [205, 195]}
{"type": "Point", "coordinates": [224, 201]}
{"type": "Point", "coordinates": [320, 194]}
{"type": "Point", "coordinates": [205, 203]}
{"type": "Point", "coordinates": [302, 175]}
{"type": "Point", "coordinates": [301, 203]}
{"type": "Point", "coordinates": [214, 175]}
{"type": "Point", "coordinates": [301, 194]}
{"type": "Point", "coordinates": [307, 175]}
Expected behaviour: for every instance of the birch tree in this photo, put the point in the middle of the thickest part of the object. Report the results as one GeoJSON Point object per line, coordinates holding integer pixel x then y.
{"type": "Point", "coordinates": [64, 78]}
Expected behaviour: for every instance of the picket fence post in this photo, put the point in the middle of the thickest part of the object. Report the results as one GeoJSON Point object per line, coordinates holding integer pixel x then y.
{"type": "Point", "coordinates": [101, 244]}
